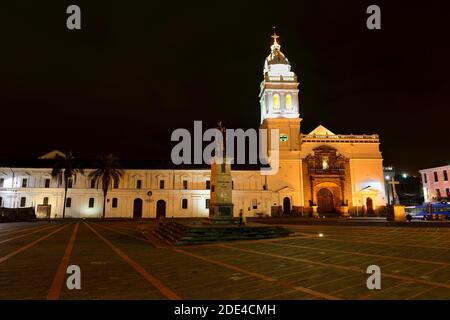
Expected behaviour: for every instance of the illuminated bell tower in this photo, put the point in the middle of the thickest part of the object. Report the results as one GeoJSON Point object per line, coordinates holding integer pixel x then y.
{"type": "Point", "coordinates": [279, 98]}
{"type": "Point", "coordinates": [280, 110]}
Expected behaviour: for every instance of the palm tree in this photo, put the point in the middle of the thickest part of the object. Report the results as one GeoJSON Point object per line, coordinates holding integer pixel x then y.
{"type": "Point", "coordinates": [107, 169]}
{"type": "Point", "coordinates": [65, 168]}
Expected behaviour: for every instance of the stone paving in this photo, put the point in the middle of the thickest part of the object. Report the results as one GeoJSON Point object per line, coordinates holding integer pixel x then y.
{"type": "Point", "coordinates": [117, 262]}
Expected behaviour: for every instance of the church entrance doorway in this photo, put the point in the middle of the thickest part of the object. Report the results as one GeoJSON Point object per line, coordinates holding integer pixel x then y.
{"type": "Point", "coordinates": [137, 208]}
{"type": "Point", "coordinates": [286, 205]}
{"type": "Point", "coordinates": [325, 201]}
{"type": "Point", "coordinates": [160, 209]}
{"type": "Point", "coordinates": [369, 206]}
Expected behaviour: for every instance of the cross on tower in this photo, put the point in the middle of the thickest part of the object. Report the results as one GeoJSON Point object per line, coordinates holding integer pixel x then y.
{"type": "Point", "coordinates": [275, 36]}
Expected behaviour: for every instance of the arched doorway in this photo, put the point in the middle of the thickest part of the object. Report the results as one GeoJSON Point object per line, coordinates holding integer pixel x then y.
{"type": "Point", "coordinates": [369, 205]}
{"type": "Point", "coordinates": [286, 205]}
{"type": "Point", "coordinates": [137, 208]}
{"type": "Point", "coordinates": [325, 201]}
{"type": "Point", "coordinates": [160, 209]}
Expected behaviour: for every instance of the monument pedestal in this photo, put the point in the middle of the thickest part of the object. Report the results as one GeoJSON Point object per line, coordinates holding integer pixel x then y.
{"type": "Point", "coordinates": [221, 196]}
{"type": "Point", "coordinates": [221, 214]}
{"type": "Point", "coordinates": [399, 213]}
{"type": "Point", "coordinates": [314, 212]}
{"type": "Point", "coordinates": [344, 211]}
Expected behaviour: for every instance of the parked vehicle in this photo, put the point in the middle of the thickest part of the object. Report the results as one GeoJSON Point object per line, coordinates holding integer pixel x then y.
{"type": "Point", "coordinates": [430, 211]}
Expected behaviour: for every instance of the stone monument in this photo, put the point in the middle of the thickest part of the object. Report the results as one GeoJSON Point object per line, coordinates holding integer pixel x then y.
{"type": "Point", "coordinates": [221, 202]}
{"type": "Point", "coordinates": [398, 213]}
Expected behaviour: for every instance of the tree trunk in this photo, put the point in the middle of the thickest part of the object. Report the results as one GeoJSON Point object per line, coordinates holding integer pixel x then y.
{"type": "Point", "coordinates": [64, 203]}
{"type": "Point", "coordinates": [104, 203]}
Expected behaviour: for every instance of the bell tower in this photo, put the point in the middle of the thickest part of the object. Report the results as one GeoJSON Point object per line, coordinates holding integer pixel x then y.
{"type": "Point", "coordinates": [280, 110]}
{"type": "Point", "coordinates": [279, 98]}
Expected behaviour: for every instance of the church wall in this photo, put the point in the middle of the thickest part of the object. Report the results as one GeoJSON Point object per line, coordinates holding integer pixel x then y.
{"type": "Point", "coordinates": [287, 182]}
{"type": "Point", "coordinates": [363, 169]}
{"type": "Point", "coordinates": [361, 150]}
{"type": "Point", "coordinates": [367, 173]}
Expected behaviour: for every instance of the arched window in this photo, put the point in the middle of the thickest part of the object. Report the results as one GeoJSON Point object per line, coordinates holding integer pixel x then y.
{"type": "Point", "coordinates": [288, 102]}
{"type": "Point", "coordinates": [276, 102]}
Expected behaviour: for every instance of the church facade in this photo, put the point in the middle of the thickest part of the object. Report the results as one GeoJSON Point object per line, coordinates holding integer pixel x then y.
{"type": "Point", "coordinates": [319, 172]}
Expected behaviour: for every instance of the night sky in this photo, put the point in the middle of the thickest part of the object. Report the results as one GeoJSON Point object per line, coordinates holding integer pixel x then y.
{"type": "Point", "coordinates": [138, 70]}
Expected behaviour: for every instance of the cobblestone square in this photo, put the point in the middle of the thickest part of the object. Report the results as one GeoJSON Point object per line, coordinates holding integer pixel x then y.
{"type": "Point", "coordinates": [118, 262]}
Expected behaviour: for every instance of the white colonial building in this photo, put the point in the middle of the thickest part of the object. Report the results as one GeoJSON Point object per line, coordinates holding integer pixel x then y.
{"type": "Point", "coordinates": [318, 172]}
{"type": "Point", "coordinates": [140, 193]}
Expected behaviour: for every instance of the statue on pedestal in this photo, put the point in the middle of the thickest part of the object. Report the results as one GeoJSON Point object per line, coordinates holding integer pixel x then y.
{"type": "Point", "coordinates": [221, 202]}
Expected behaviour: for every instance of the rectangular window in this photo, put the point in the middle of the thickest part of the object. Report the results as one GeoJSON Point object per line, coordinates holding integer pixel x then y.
{"type": "Point", "coordinates": [162, 184]}
{"type": "Point", "coordinates": [116, 184]}
{"type": "Point", "coordinates": [68, 202]}
{"type": "Point", "coordinates": [255, 204]}
{"type": "Point", "coordinates": [445, 175]}
{"type": "Point", "coordinates": [436, 179]}
{"type": "Point", "coordinates": [207, 201]}
{"type": "Point", "coordinates": [1, 202]}
{"type": "Point", "coordinates": [24, 183]}
{"type": "Point", "coordinates": [91, 202]}
{"type": "Point", "coordinates": [93, 183]}
{"type": "Point", "coordinates": [185, 184]}
{"type": "Point", "coordinates": [23, 201]}
{"type": "Point", "coordinates": [184, 203]}
{"type": "Point", "coordinates": [447, 192]}
{"type": "Point", "coordinates": [208, 184]}
{"type": "Point", "coordinates": [70, 183]}
{"type": "Point", "coordinates": [425, 179]}
{"type": "Point", "coordinates": [2, 182]}
{"type": "Point", "coordinates": [114, 202]}
{"type": "Point", "coordinates": [138, 184]}
{"type": "Point", "coordinates": [45, 201]}
{"type": "Point", "coordinates": [47, 183]}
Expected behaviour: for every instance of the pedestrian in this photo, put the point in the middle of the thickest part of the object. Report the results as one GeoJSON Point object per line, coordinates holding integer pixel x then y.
{"type": "Point", "coordinates": [241, 218]}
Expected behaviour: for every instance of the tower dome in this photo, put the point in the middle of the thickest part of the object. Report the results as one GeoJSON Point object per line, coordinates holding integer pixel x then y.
{"type": "Point", "coordinates": [276, 62]}
{"type": "Point", "coordinates": [279, 89]}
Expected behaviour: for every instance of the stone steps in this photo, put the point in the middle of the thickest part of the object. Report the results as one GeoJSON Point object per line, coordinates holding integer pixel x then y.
{"type": "Point", "coordinates": [178, 234]}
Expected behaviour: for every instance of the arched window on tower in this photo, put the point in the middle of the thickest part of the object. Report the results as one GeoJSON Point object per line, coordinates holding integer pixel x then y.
{"type": "Point", "coordinates": [288, 102]}
{"type": "Point", "coordinates": [276, 102]}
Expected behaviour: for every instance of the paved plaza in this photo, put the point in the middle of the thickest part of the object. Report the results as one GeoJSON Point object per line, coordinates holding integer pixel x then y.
{"type": "Point", "coordinates": [316, 262]}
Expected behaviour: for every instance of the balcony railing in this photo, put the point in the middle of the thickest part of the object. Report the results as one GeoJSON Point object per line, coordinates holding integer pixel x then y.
{"type": "Point", "coordinates": [340, 137]}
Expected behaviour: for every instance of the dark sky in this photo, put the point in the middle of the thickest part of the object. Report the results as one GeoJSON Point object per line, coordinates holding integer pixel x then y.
{"type": "Point", "coordinates": [139, 69]}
